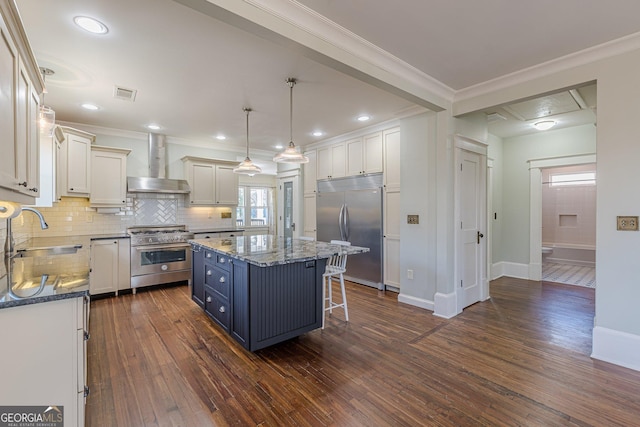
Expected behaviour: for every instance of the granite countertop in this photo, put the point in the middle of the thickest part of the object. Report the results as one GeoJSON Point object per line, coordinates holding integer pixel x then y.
{"type": "Point", "coordinates": [216, 230]}
{"type": "Point", "coordinates": [266, 250]}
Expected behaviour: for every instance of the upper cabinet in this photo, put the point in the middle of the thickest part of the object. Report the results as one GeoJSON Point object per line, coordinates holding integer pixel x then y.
{"type": "Point", "coordinates": [212, 182]}
{"type": "Point", "coordinates": [74, 163]}
{"type": "Point", "coordinates": [331, 161]}
{"type": "Point", "coordinates": [309, 176]}
{"type": "Point", "coordinates": [108, 176]}
{"type": "Point", "coordinates": [20, 89]}
{"type": "Point", "coordinates": [364, 155]}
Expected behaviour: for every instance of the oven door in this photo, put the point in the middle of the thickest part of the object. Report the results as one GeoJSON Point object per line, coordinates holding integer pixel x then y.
{"type": "Point", "coordinates": [160, 258]}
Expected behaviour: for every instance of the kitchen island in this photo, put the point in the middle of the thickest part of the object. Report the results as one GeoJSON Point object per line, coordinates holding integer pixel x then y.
{"type": "Point", "coordinates": [262, 289]}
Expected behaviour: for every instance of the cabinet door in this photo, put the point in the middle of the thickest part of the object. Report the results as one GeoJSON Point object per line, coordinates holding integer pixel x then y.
{"type": "Point", "coordinates": [8, 70]}
{"type": "Point", "coordinates": [108, 178]}
{"type": "Point", "coordinates": [372, 153]}
{"type": "Point", "coordinates": [124, 264]}
{"type": "Point", "coordinates": [226, 186]}
{"type": "Point", "coordinates": [338, 160]}
{"type": "Point", "coordinates": [323, 169]}
{"type": "Point", "coordinates": [33, 144]}
{"type": "Point", "coordinates": [391, 232]}
{"type": "Point", "coordinates": [391, 140]}
{"type": "Point", "coordinates": [310, 172]}
{"type": "Point", "coordinates": [355, 156]}
{"type": "Point", "coordinates": [104, 267]}
{"type": "Point", "coordinates": [201, 178]}
{"type": "Point", "coordinates": [78, 165]}
{"type": "Point", "coordinates": [310, 215]}
{"type": "Point", "coordinates": [22, 129]}
{"type": "Point", "coordinates": [198, 277]}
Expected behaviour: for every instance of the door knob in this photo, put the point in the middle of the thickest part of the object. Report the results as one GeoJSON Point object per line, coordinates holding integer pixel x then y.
{"type": "Point", "coordinates": [480, 236]}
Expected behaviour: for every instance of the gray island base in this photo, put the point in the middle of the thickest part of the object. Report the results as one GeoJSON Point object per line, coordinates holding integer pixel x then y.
{"type": "Point", "coordinates": [262, 289]}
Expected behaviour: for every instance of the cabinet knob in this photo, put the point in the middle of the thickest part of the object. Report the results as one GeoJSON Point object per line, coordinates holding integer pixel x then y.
{"type": "Point", "coordinates": [22, 184]}
{"type": "Point", "coordinates": [209, 273]}
{"type": "Point", "coordinates": [34, 189]}
{"type": "Point", "coordinates": [222, 309]}
{"type": "Point", "coordinates": [86, 335]}
{"type": "Point", "coordinates": [208, 299]}
{"type": "Point", "coordinates": [71, 189]}
{"type": "Point", "coordinates": [222, 279]}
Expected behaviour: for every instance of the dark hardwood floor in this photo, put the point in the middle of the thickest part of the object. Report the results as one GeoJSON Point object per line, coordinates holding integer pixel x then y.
{"type": "Point", "coordinates": [521, 359]}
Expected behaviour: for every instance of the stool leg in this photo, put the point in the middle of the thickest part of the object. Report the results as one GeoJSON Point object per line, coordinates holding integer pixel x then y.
{"type": "Point", "coordinates": [344, 298]}
{"type": "Point", "coordinates": [330, 294]}
{"type": "Point", "coordinates": [324, 301]}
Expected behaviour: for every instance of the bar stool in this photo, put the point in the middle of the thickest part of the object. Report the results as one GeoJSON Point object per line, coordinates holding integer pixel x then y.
{"type": "Point", "coordinates": [336, 267]}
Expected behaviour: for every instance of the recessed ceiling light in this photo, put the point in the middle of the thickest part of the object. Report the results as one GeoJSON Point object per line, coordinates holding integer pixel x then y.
{"type": "Point", "coordinates": [90, 107]}
{"type": "Point", "coordinates": [279, 147]}
{"type": "Point", "coordinates": [221, 137]}
{"type": "Point", "coordinates": [317, 133]}
{"type": "Point", "coordinates": [153, 127]}
{"type": "Point", "coordinates": [363, 118]}
{"type": "Point", "coordinates": [90, 24]}
{"type": "Point", "coordinates": [544, 125]}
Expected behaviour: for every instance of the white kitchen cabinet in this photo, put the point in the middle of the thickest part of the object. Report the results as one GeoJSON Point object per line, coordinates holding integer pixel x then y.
{"type": "Point", "coordinates": [20, 88]}
{"type": "Point", "coordinates": [391, 205]}
{"type": "Point", "coordinates": [212, 181]}
{"type": "Point", "coordinates": [331, 162]}
{"type": "Point", "coordinates": [309, 215]}
{"type": "Point", "coordinates": [391, 144]}
{"type": "Point", "coordinates": [108, 176]}
{"type": "Point", "coordinates": [73, 171]}
{"type": "Point", "coordinates": [45, 351]}
{"type": "Point", "coordinates": [309, 173]}
{"type": "Point", "coordinates": [364, 155]}
{"type": "Point", "coordinates": [110, 266]}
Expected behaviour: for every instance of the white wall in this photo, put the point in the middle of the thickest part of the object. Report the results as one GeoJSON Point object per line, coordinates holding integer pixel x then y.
{"type": "Point", "coordinates": [496, 215]}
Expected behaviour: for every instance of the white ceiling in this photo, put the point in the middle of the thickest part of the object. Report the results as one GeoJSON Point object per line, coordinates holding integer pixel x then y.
{"type": "Point", "coordinates": [194, 74]}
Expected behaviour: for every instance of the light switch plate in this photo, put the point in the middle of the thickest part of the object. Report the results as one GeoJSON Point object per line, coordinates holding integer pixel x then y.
{"type": "Point", "coordinates": [413, 219]}
{"type": "Point", "coordinates": [627, 223]}
{"type": "Point", "coordinates": [225, 215]}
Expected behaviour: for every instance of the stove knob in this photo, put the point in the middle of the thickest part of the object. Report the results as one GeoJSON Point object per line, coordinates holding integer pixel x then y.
{"type": "Point", "coordinates": [150, 240]}
{"type": "Point", "coordinates": [164, 267]}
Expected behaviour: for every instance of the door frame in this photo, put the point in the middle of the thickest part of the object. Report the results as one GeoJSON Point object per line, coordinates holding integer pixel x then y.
{"type": "Point", "coordinates": [463, 143]}
{"type": "Point", "coordinates": [293, 175]}
{"type": "Point", "coordinates": [535, 204]}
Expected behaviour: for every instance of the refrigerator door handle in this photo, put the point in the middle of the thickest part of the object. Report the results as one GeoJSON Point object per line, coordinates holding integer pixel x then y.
{"type": "Point", "coordinates": [341, 221]}
{"type": "Point", "coordinates": [346, 223]}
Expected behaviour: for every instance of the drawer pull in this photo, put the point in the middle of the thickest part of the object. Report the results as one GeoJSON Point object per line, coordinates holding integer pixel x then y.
{"type": "Point", "coordinates": [208, 255]}
{"type": "Point", "coordinates": [208, 299]}
{"type": "Point", "coordinates": [222, 279]}
{"type": "Point", "coordinates": [209, 272]}
{"type": "Point", "coordinates": [222, 309]}
{"type": "Point", "coordinates": [222, 260]}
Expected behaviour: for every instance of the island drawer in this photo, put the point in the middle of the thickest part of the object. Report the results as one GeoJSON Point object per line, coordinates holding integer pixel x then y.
{"type": "Point", "coordinates": [219, 260]}
{"type": "Point", "coordinates": [217, 308]}
{"type": "Point", "coordinates": [218, 280]}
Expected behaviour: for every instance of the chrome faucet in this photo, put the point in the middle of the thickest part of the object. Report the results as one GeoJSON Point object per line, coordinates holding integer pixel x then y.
{"type": "Point", "coordinates": [9, 244]}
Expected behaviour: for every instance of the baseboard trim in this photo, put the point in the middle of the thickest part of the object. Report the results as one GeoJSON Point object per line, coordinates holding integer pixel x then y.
{"type": "Point", "coordinates": [619, 348]}
{"type": "Point", "coordinates": [445, 305]}
{"type": "Point", "coordinates": [512, 269]}
{"type": "Point", "coordinates": [415, 301]}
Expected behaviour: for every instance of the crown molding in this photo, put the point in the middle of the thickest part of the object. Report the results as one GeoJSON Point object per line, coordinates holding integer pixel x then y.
{"type": "Point", "coordinates": [599, 52]}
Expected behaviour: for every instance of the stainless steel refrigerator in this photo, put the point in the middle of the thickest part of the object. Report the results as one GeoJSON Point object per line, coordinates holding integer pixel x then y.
{"type": "Point", "coordinates": [351, 209]}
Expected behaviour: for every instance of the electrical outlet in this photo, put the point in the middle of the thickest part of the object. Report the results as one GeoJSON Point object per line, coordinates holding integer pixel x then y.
{"type": "Point", "coordinates": [89, 218]}
{"type": "Point", "coordinates": [413, 219]}
{"type": "Point", "coordinates": [627, 223]}
{"type": "Point", "coordinates": [225, 215]}
{"type": "Point", "coordinates": [410, 274]}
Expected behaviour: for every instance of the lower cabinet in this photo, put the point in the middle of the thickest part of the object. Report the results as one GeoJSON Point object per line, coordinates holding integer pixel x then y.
{"type": "Point", "coordinates": [258, 306]}
{"type": "Point", "coordinates": [110, 266]}
{"type": "Point", "coordinates": [45, 358]}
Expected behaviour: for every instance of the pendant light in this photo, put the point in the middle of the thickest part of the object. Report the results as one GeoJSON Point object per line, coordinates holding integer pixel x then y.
{"type": "Point", "coordinates": [46, 115]}
{"type": "Point", "coordinates": [247, 167]}
{"type": "Point", "coordinates": [291, 154]}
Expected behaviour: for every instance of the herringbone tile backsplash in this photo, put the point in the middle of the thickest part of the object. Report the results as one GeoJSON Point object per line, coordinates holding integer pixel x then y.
{"type": "Point", "coordinates": [155, 211]}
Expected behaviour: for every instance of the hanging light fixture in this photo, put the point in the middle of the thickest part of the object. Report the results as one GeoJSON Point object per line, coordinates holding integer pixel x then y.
{"type": "Point", "coordinates": [291, 154]}
{"type": "Point", "coordinates": [46, 115]}
{"type": "Point", "coordinates": [247, 167]}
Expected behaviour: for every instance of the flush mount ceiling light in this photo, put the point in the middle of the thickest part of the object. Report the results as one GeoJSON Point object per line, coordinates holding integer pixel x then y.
{"type": "Point", "coordinates": [317, 133]}
{"type": "Point", "coordinates": [247, 167]}
{"type": "Point", "coordinates": [91, 25]}
{"type": "Point", "coordinates": [46, 115]}
{"type": "Point", "coordinates": [364, 118]}
{"type": "Point", "coordinates": [153, 127]}
{"type": "Point", "coordinates": [291, 154]}
{"type": "Point", "coordinates": [544, 125]}
{"type": "Point", "coordinates": [90, 107]}
{"type": "Point", "coordinates": [221, 137]}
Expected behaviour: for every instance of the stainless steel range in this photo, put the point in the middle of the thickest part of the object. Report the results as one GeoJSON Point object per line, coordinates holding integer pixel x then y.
{"type": "Point", "coordinates": [159, 254]}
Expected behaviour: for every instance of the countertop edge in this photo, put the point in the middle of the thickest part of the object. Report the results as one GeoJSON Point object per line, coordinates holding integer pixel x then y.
{"type": "Point", "coordinates": [43, 299]}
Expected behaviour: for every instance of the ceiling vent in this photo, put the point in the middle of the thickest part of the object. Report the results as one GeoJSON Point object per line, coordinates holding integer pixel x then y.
{"type": "Point", "coordinates": [124, 93]}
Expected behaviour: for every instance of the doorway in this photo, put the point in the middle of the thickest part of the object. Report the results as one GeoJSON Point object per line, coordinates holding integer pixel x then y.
{"type": "Point", "coordinates": [289, 201]}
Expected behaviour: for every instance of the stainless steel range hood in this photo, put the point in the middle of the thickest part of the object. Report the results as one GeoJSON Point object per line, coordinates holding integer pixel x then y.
{"type": "Point", "coordinates": [157, 182]}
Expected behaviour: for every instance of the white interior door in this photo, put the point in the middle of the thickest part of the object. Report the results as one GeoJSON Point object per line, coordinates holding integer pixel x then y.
{"type": "Point", "coordinates": [289, 206]}
{"type": "Point", "coordinates": [471, 243]}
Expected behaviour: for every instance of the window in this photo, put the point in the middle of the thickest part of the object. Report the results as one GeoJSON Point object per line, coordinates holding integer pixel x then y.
{"type": "Point", "coordinates": [566, 179]}
{"type": "Point", "coordinates": [255, 207]}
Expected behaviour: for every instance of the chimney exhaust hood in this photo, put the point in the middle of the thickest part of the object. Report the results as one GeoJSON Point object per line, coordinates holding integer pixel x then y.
{"type": "Point", "coordinates": [157, 182]}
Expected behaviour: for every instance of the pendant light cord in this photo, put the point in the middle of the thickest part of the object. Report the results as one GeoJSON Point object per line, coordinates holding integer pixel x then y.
{"type": "Point", "coordinates": [291, 82]}
{"type": "Point", "coordinates": [247, 110]}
